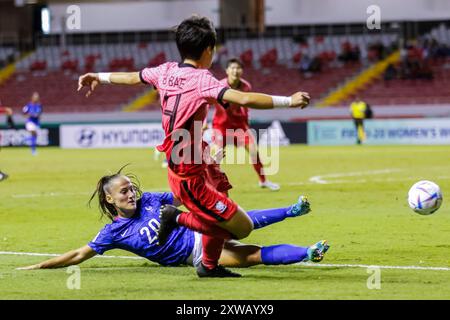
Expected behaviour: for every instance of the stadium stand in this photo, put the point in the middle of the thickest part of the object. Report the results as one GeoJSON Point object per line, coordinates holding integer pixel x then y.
{"type": "Point", "coordinates": [58, 93]}
{"type": "Point", "coordinates": [7, 55]}
{"type": "Point", "coordinates": [273, 65]}
{"type": "Point", "coordinates": [421, 77]}
{"type": "Point", "coordinates": [316, 64]}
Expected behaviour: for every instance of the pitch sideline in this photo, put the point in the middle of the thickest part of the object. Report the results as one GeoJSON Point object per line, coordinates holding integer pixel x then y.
{"type": "Point", "coordinates": [303, 264]}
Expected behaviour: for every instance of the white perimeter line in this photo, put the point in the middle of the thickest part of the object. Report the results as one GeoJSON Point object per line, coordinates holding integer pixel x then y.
{"type": "Point", "coordinates": [304, 264]}
{"type": "Point", "coordinates": [49, 194]}
{"type": "Point", "coordinates": [386, 180]}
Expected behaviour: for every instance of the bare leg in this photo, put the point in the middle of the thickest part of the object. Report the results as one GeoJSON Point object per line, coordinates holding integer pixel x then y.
{"type": "Point", "coordinates": [252, 149]}
{"type": "Point", "coordinates": [240, 255]}
{"type": "Point", "coordinates": [240, 225]}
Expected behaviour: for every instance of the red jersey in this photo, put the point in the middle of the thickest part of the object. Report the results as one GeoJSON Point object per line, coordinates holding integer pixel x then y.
{"type": "Point", "coordinates": [185, 93]}
{"type": "Point", "coordinates": [233, 116]}
{"type": "Point", "coordinates": [2, 110]}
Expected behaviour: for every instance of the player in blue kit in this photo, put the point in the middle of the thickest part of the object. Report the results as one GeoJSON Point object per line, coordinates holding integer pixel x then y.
{"type": "Point", "coordinates": [135, 225]}
{"type": "Point", "coordinates": [33, 111]}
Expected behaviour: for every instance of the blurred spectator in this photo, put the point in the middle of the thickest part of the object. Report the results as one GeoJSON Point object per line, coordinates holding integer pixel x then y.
{"type": "Point", "coordinates": [349, 53]}
{"type": "Point", "coordinates": [309, 66]}
{"type": "Point", "coordinates": [413, 64]}
{"type": "Point", "coordinates": [359, 111]}
{"type": "Point", "coordinates": [305, 63]}
{"type": "Point", "coordinates": [390, 73]}
{"type": "Point", "coordinates": [376, 51]}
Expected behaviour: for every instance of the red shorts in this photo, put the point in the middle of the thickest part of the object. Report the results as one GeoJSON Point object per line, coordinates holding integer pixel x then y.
{"type": "Point", "coordinates": [201, 198]}
{"type": "Point", "coordinates": [239, 137]}
{"type": "Point", "coordinates": [217, 178]}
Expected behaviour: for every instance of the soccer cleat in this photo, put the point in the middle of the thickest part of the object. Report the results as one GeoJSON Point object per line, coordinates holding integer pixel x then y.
{"type": "Point", "coordinates": [218, 272]}
{"type": "Point", "coordinates": [302, 207]}
{"type": "Point", "coordinates": [3, 176]}
{"type": "Point", "coordinates": [168, 221]}
{"type": "Point", "coordinates": [270, 185]}
{"type": "Point", "coordinates": [317, 251]}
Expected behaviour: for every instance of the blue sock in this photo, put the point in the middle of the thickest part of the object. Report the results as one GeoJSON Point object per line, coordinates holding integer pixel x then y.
{"type": "Point", "coordinates": [283, 254]}
{"type": "Point", "coordinates": [265, 217]}
{"type": "Point", "coordinates": [33, 143]}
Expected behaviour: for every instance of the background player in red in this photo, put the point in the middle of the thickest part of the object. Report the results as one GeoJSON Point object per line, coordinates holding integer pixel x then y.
{"type": "Point", "coordinates": [186, 90]}
{"type": "Point", "coordinates": [10, 124]}
{"type": "Point", "coordinates": [235, 117]}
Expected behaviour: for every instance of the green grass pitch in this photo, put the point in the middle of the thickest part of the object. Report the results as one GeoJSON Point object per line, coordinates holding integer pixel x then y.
{"type": "Point", "coordinates": [361, 210]}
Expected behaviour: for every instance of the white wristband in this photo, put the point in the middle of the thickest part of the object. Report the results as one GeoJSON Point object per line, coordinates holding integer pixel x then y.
{"type": "Point", "coordinates": [104, 77]}
{"type": "Point", "coordinates": [281, 101]}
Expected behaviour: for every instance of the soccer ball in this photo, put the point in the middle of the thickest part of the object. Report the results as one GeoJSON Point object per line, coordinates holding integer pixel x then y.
{"type": "Point", "coordinates": [425, 197]}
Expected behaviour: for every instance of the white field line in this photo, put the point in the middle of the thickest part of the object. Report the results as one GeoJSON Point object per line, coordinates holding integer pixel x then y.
{"type": "Point", "coordinates": [321, 179]}
{"type": "Point", "coordinates": [302, 264]}
{"type": "Point", "coordinates": [386, 180]}
{"type": "Point", "coordinates": [48, 194]}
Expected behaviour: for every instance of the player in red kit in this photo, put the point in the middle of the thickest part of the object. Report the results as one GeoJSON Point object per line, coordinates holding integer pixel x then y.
{"type": "Point", "coordinates": [231, 124]}
{"type": "Point", "coordinates": [186, 90]}
{"type": "Point", "coordinates": [10, 123]}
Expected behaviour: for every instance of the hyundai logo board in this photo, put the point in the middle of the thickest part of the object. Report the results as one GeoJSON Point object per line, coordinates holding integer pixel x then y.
{"type": "Point", "coordinates": [141, 135]}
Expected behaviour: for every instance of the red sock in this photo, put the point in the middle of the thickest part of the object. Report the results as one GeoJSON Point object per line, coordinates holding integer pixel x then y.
{"type": "Point", "coordinates": [212, 248]}
{"type": "Point", "coordinates": [259, 168]}
{"type": "Point", "coordinates": [191, 221]}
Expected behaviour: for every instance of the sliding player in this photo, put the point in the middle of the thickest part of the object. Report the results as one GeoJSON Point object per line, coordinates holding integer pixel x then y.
{"type": "Point", "coordinates": [135, 223]}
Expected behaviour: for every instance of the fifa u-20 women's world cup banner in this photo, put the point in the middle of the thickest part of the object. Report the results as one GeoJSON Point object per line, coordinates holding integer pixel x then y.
{"type": "Point", "coordinates": [403, 131]}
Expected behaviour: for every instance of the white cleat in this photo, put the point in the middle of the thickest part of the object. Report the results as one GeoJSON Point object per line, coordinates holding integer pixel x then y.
{"type": "Point", "coordinates": [270, 185]}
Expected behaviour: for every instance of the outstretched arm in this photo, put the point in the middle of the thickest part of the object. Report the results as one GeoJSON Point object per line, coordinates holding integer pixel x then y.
{"type": "Point", "coordinates": [92, 80]}
{"type": "Point", "coordinates": [8, 111]}
{"type": "Point", "coordinates": [67, 259]}
{"type": "Point", "coordinates": [265, 101]}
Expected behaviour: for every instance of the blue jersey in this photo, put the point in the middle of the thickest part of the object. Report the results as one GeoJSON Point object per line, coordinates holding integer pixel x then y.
{"type": "Point", "coordinates": [138, 234]}
{"type": "Point", "coordinates": [33, 111]}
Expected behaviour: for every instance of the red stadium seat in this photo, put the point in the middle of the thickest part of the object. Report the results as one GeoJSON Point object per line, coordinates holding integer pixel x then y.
{"type": "Point", "coordinates": [38, 65]}
{"type": "Point", "coordinates": [269, 59]}
{"type": "Point", "coordinates": [157, 60]}
{"type": "Point", "coordinates": [70, 65]}
{"type": "Point", "coordinates": [296, 58]}
{"type": "Point", "coordinates": [247, 57]}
